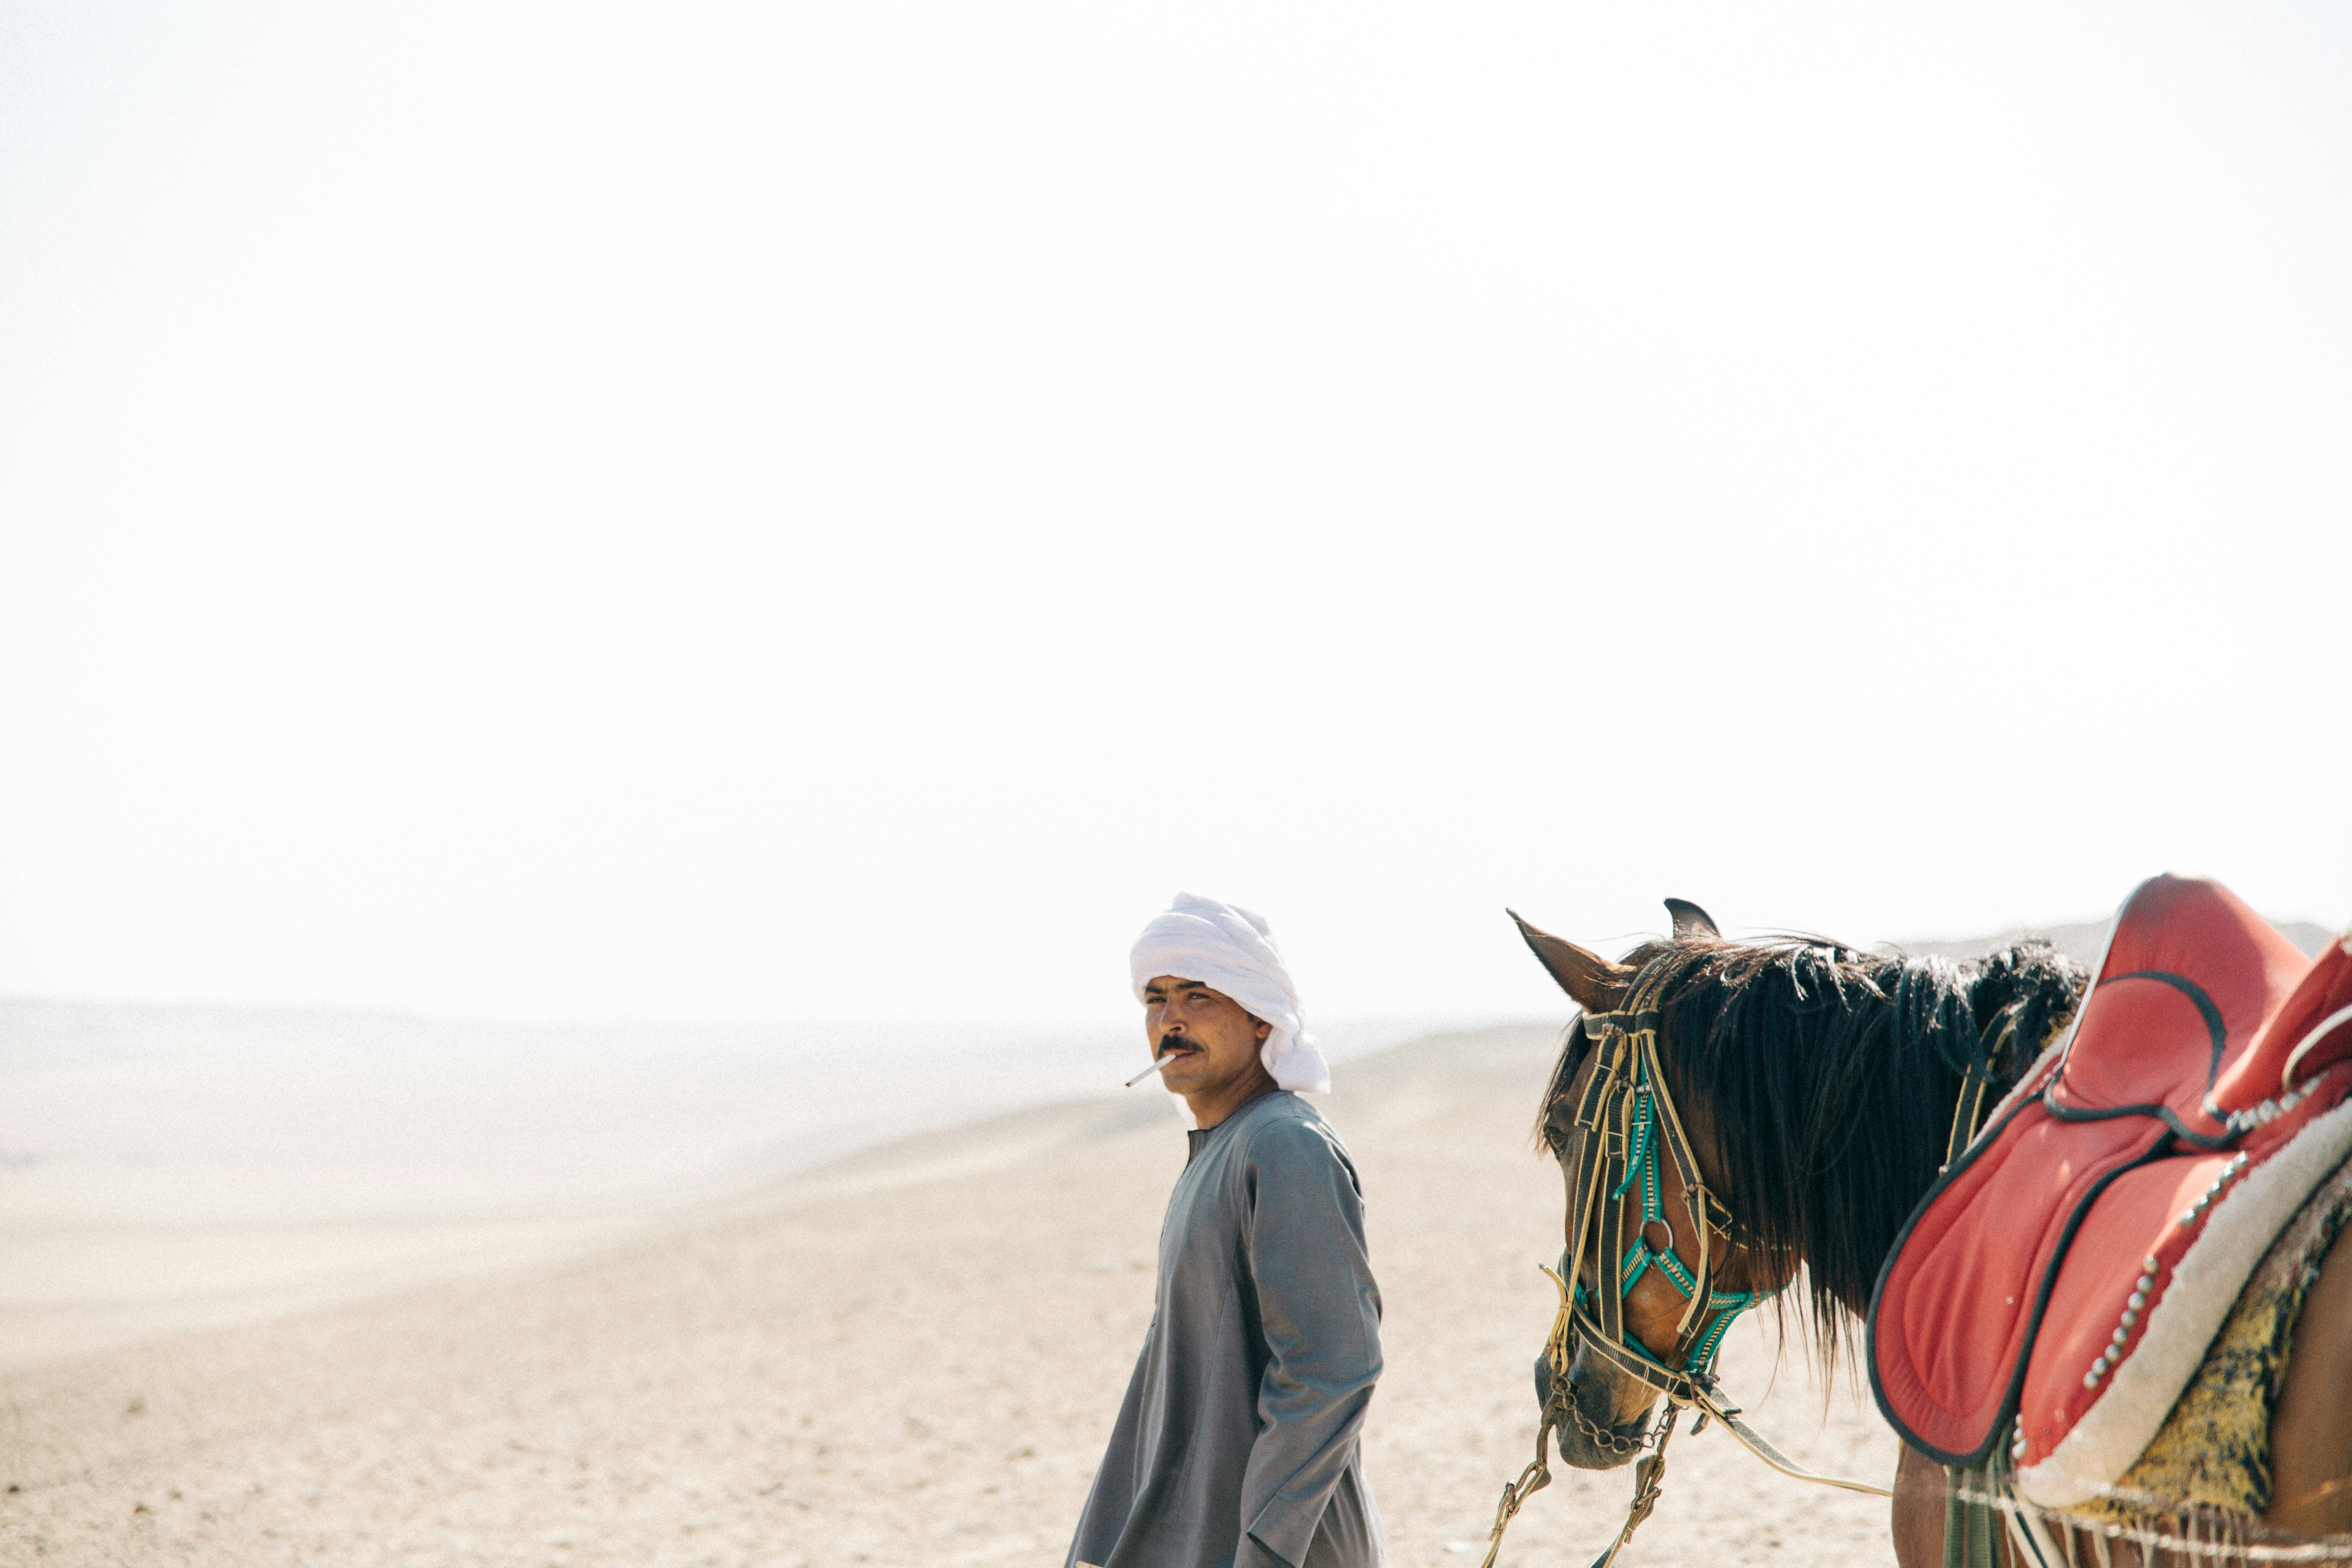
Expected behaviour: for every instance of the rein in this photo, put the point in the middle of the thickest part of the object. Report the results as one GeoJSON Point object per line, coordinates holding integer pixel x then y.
{"type": "Point", "coordinates": [1624, 1119]}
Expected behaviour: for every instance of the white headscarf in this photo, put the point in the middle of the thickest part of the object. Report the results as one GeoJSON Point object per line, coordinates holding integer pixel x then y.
{"type": "Point", "coordinates": [1228, 949]}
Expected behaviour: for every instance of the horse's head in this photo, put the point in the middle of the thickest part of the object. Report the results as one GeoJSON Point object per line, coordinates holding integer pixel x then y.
{"type": "Point", "coordinates": [1724, 1110]}
{"type": "Point", "coordinates": [1656, 1267]}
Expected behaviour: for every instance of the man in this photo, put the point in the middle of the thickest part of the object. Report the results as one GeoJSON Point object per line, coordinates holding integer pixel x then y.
{"type": "Point", "coordinates": [1236, 1447]}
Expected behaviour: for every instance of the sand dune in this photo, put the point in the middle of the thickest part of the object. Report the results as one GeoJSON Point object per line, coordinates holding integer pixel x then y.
{"type": "Point", "coordinates": [910, 1356]}
{"type": "Point", "coordinates": [170, 1168]}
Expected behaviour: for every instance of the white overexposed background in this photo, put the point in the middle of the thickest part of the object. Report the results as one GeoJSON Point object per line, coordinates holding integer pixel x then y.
{"type": "Point", "coordinates": [820, 518]}
{"type": "Point", "coordinates": [839, 510]}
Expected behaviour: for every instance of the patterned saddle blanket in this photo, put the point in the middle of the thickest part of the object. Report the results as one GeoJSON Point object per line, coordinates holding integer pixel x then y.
{"type": "Point", "coordinates": [2071, 1267]}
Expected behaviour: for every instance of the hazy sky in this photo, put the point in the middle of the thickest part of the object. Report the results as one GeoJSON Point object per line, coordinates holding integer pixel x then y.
{"type": "Point", "coordinates": [841, 511]}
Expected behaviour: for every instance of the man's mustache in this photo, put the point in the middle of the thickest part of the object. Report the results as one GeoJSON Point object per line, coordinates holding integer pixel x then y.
{"type": "Point", "coordinates": [1168, 1045]}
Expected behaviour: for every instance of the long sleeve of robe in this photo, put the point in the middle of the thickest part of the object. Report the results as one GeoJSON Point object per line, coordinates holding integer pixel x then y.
{"type": "Point", "coordinates": [1236, 1445]}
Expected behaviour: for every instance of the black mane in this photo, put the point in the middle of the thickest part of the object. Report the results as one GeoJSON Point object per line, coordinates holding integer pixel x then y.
{"type": "Point", "coordinates": [1828, 1077]}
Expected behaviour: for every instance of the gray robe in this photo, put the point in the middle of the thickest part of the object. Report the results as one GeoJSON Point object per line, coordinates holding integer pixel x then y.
{"type": "Point", "coordinates": [1236, 1444]}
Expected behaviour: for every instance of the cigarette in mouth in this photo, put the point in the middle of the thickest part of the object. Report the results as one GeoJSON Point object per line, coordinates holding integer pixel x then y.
{"type": "Point", "coordinates": [1154, 1067]}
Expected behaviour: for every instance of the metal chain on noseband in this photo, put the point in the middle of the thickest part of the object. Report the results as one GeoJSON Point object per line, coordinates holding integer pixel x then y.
{"type": "Point", "coordinates": [1601, 1437]}
{"type": "Point", "coordinates": [1623, 1118]}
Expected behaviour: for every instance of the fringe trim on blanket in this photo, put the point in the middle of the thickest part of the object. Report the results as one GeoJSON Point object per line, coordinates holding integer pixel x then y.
{"type": "Point", "coordinates": [2050, 1538]}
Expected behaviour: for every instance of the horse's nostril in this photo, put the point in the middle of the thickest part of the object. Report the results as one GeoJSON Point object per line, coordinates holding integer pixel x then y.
{"type": "Point", "coordinates": [1543, 1380]}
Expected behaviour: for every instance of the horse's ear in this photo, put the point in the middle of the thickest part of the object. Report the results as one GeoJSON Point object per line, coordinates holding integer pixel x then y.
{"type": "Point", "coordinates": [1691, 921]}
{"type": "Point", "coordinates": [1597, 985]}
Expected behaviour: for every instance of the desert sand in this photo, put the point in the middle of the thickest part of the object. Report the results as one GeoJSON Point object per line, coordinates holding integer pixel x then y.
{"type": "Point", "coordinates": [909, 1356]}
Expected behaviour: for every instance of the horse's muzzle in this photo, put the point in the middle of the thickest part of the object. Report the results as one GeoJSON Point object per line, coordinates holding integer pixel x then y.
{"type": "Point", "coordinates": [1590, 1439]}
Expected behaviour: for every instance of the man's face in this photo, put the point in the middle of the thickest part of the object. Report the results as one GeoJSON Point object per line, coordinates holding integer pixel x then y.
{"type": "Point", "coordinates": [1213, 1041]}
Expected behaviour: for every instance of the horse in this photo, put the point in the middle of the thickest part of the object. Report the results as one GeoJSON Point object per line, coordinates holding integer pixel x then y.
{"type": "Point", "coordinates": [1789, 1106]}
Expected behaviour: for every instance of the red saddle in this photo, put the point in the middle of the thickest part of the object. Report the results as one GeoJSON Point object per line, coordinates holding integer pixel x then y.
{"type": "Point", "coordinates": [2073, 1265]}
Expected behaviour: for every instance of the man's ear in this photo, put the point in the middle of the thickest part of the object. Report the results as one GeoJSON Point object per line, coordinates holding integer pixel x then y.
{"type": "Point", "coordinates": [1597, 985]}
{"type": "Point", "coordinates": [1691, 923]}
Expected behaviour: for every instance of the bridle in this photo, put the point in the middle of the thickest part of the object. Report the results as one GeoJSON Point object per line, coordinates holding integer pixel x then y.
{"type": "Point", "coordinates": [1624, 1119]}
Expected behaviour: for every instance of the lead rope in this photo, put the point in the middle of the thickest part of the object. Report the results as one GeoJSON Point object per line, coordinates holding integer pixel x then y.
{"type": "Point", "coordinates": [1538, 1475]}
{"type": "Point", "coordinates": [1649, 1470]}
